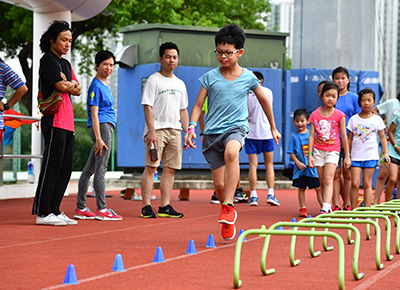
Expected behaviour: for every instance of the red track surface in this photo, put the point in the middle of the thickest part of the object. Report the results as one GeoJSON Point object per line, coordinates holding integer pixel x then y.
{"type": "Point", "coordinates": [37, 257]}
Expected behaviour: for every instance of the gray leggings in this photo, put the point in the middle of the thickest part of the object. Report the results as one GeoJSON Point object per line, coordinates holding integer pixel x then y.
{"type": "Point", "coordinates": [98, 166]}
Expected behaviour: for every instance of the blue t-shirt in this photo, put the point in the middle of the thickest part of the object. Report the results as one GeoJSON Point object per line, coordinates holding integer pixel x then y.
{"type": "Point", "coordinates": [227, 101]}
{"type": "Point", "coordinates": [348, 104]}
{"type": "Point", "coordinates": [298, 146]}
{"type": "Point", "coordinates": [100, 95]}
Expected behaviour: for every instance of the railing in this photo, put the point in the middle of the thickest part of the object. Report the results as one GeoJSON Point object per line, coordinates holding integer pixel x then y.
{"type": "Point", "coordinates": [11, 156]}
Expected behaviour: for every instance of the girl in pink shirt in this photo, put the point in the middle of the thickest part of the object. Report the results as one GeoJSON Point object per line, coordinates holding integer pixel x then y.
{"type": "Point", "coordinates": [327, 124]}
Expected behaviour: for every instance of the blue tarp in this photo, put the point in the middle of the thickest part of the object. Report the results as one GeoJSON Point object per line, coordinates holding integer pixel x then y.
{"type": "Point", "coordinates": [130, 145]}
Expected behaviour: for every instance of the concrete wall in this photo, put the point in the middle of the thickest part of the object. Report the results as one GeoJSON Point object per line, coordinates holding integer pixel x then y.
{"type": "Point", "coordinates": [334, 33]}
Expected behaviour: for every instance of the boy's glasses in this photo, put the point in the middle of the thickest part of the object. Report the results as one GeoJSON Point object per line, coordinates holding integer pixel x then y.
{"type": "Point", "coordinates": [227, 53]}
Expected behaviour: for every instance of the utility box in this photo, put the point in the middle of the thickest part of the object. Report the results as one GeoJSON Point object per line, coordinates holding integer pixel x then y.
{"type": "Point", "coordinates": [264, 52]}
{"type": "Point", "coordinates": [196, 45]}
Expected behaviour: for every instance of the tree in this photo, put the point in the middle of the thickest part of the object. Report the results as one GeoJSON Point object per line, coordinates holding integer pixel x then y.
{"type": "Point", "coordinates": [16, 36]}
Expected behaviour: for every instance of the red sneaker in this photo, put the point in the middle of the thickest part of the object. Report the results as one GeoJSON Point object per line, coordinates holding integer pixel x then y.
{"type": "Point", "coordinates": [347, 208]}
{"type": "Point", "coordinates": [303, 212]}
{"type": "Point", "coordinates": [228, 232]}
{"type": "Point", "coordinates": [336, 207]}
{"type": "Point", "coordinates": [84, 214]}
{"type": "Point", "coordinates": [228, 215]}
{"type": "Point", "coordinates": [109, 215]}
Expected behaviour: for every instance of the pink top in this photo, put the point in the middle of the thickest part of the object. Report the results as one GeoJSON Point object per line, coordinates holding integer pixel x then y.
{"type": "Point", "coordinates": [64, 118]}
{"type": "Point", "coordinates": [327, 130]}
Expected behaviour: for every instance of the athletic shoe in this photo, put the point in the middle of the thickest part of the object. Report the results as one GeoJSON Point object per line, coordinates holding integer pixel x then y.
{"type": "Point", "coordinates": [228, 232]}
{"type": "Point", "coordinates": [303, 212]}
{"type": "Point", "coordinates": [168, 211]}
{"type": "Point", "coordinates": [214, 199]}
{"type": "Point", "coordinates": [84, 215]}
{"type": "Point", "coordinates": [323, 211]}
{"type": "Point", "coordinates": [336, 208]}
{"type": "Point", "coordinates": [253, 201]}
{"type": "Point", "coordinates": [271, 199]}
{"type": "Point", "coordinates": [228, 214]}
{"type": "Point", "coordinates": [347, 208]}
{"type": "Point", "coordinates": [148, 212]}
{"type": "Point", "coordinates": [50, 220]}
{"type": "Point", "coordinates": [240, 196]}
{"type": "Point", "coordinates": [62, 216]}
{"type": "Point", "coordinates": [109, 215]}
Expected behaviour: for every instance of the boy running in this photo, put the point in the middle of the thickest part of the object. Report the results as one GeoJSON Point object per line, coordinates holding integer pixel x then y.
{"type": "Point", "coordinates": [226, 124]}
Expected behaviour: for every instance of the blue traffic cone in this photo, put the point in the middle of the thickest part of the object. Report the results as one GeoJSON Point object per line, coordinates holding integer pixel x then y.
{"type": "Point", "coordinates": [70, 276]}
{"type": "Point", "coordinates": [159, 256]}
{"type": "Point", "coordinates": [293, 221]}
{"type": "Point", "coordinates": [241, 232]}
{"type": "Point", "coordinates": [191, 248]}
{"type": "Point", "coordinates": [280, 227]}
{"type": "Point", "coordinates": [210, 242]}
{"type": "Point", "coordinates": [118, 264]}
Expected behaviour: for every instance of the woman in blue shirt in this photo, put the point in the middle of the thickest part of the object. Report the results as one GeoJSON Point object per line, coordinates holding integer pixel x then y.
{"type": "Point", "coordinates": [101, 121]}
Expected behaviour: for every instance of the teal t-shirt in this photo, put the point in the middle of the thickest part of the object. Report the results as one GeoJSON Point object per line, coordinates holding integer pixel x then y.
{"type": "Point", "coordinates": [227, 101]}
{"type": "Point", "coordinates": [392, 151]}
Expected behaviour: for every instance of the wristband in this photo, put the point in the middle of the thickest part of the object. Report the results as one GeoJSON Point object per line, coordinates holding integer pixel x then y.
{"type": "Point", "coordinates": [75, 82]}
{"type": "Point", "coordinates": [192, 123]}
{"type": "Point", "coordinates": [395, 145]}
{"type": "Point", "coordinates": [191, 130]}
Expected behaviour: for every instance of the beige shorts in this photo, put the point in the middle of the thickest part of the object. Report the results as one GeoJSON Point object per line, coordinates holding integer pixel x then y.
{"type": "Point", "coordinates": [169, 149]}
{"type": "Point", "coordinates": [321, 157]}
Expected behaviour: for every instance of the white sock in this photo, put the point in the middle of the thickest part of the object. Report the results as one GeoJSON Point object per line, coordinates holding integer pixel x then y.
{"type": "Point", "coordinates": [326, 206]}
{"type": "Point", "coordinates": [271, 191]}
{"type": "Point", "coordinates": [253, 193]}
{"type": "Point", "coordinates": [83, 209]}
{"type": "Point", "coordinates": [103, 210]}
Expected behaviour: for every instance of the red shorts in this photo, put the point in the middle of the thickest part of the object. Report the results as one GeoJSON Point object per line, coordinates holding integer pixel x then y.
{"type": "Point", "coordinates": [1, 135]}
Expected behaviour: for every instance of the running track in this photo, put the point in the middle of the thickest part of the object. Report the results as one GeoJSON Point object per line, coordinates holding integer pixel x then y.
{"type": "Point", "coordinates": [37, 257]}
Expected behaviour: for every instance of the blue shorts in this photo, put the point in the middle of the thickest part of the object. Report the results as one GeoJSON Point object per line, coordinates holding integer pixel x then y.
{"type": "Point", "coordinates": [306, 181]}
{"type": "Point", "coordinates": [365, 164]}
{"type": "Point", "coordinates": [253, 146]}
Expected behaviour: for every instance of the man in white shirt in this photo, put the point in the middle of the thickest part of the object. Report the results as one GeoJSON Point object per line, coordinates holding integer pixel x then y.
{"type": "Point", "coordinates": [165, 102]}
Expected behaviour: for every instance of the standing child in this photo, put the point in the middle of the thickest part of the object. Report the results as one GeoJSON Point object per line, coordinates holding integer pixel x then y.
{"type": "Point", "coordinates": [227, 125]}
{"type": "Point", "coordinates": [259, 140]}
{"type": "Point", "coordinates": [363, 130]}
{"type": "Point", "coordinates": [303, 176]}
{"type": "Point", "coordinates": [327, 146]}
{"type": "Point", "coordinates": [394, 153]}
{"type": "Point", "coordinates": [348, 104]}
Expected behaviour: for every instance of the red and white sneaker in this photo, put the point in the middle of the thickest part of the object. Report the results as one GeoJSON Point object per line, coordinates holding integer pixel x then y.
{"type": "Point", "coordinates": [228, 215]}
{"type": "Point", "coordinates": [84, 214]}
{"type": "Point", "coordinates": [109, 215]}
{"type": "Point", "coordinates": [228, 231]}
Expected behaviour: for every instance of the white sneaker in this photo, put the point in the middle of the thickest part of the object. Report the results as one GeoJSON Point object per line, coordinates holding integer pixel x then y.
{"type": "Point", "coordinates": [62, 216]}
{"type": "Point", "coordinates": [50, 220]}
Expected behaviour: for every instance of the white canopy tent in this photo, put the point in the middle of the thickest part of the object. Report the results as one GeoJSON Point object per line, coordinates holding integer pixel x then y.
{"type": "Point", "coordinates": [44, 12]}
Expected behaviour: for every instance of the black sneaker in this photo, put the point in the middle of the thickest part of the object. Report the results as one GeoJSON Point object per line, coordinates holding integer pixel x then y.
{"type": "Point", "coordinates": [240, 196]}
{"type": "Point", "coordinates": [168, 211]}
{"type": "Point", "coordinates": [148, 212]}
{"type": "Point", "coordinates": [214, 199]}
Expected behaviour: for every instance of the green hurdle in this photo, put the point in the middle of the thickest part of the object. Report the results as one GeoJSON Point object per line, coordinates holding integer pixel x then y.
{"type": "Point", "coordinates": [294, 262]}
{"type": "Point", "coordinates": [237, 282]}
{"type": "Point", "coordinates": [328, 218]}
{"type": "Point", "coordinates": [353, 214]}
{"type": "Point", "coordinates": [388, 213]}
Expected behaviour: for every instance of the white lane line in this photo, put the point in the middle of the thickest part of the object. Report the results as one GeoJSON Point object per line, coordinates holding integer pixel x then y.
{"type": "Point", "coordinates": [375, 278]}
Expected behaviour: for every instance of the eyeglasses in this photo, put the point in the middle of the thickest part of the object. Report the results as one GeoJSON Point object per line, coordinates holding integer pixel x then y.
{"type": "Point", "coordinates": [227, 53]}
